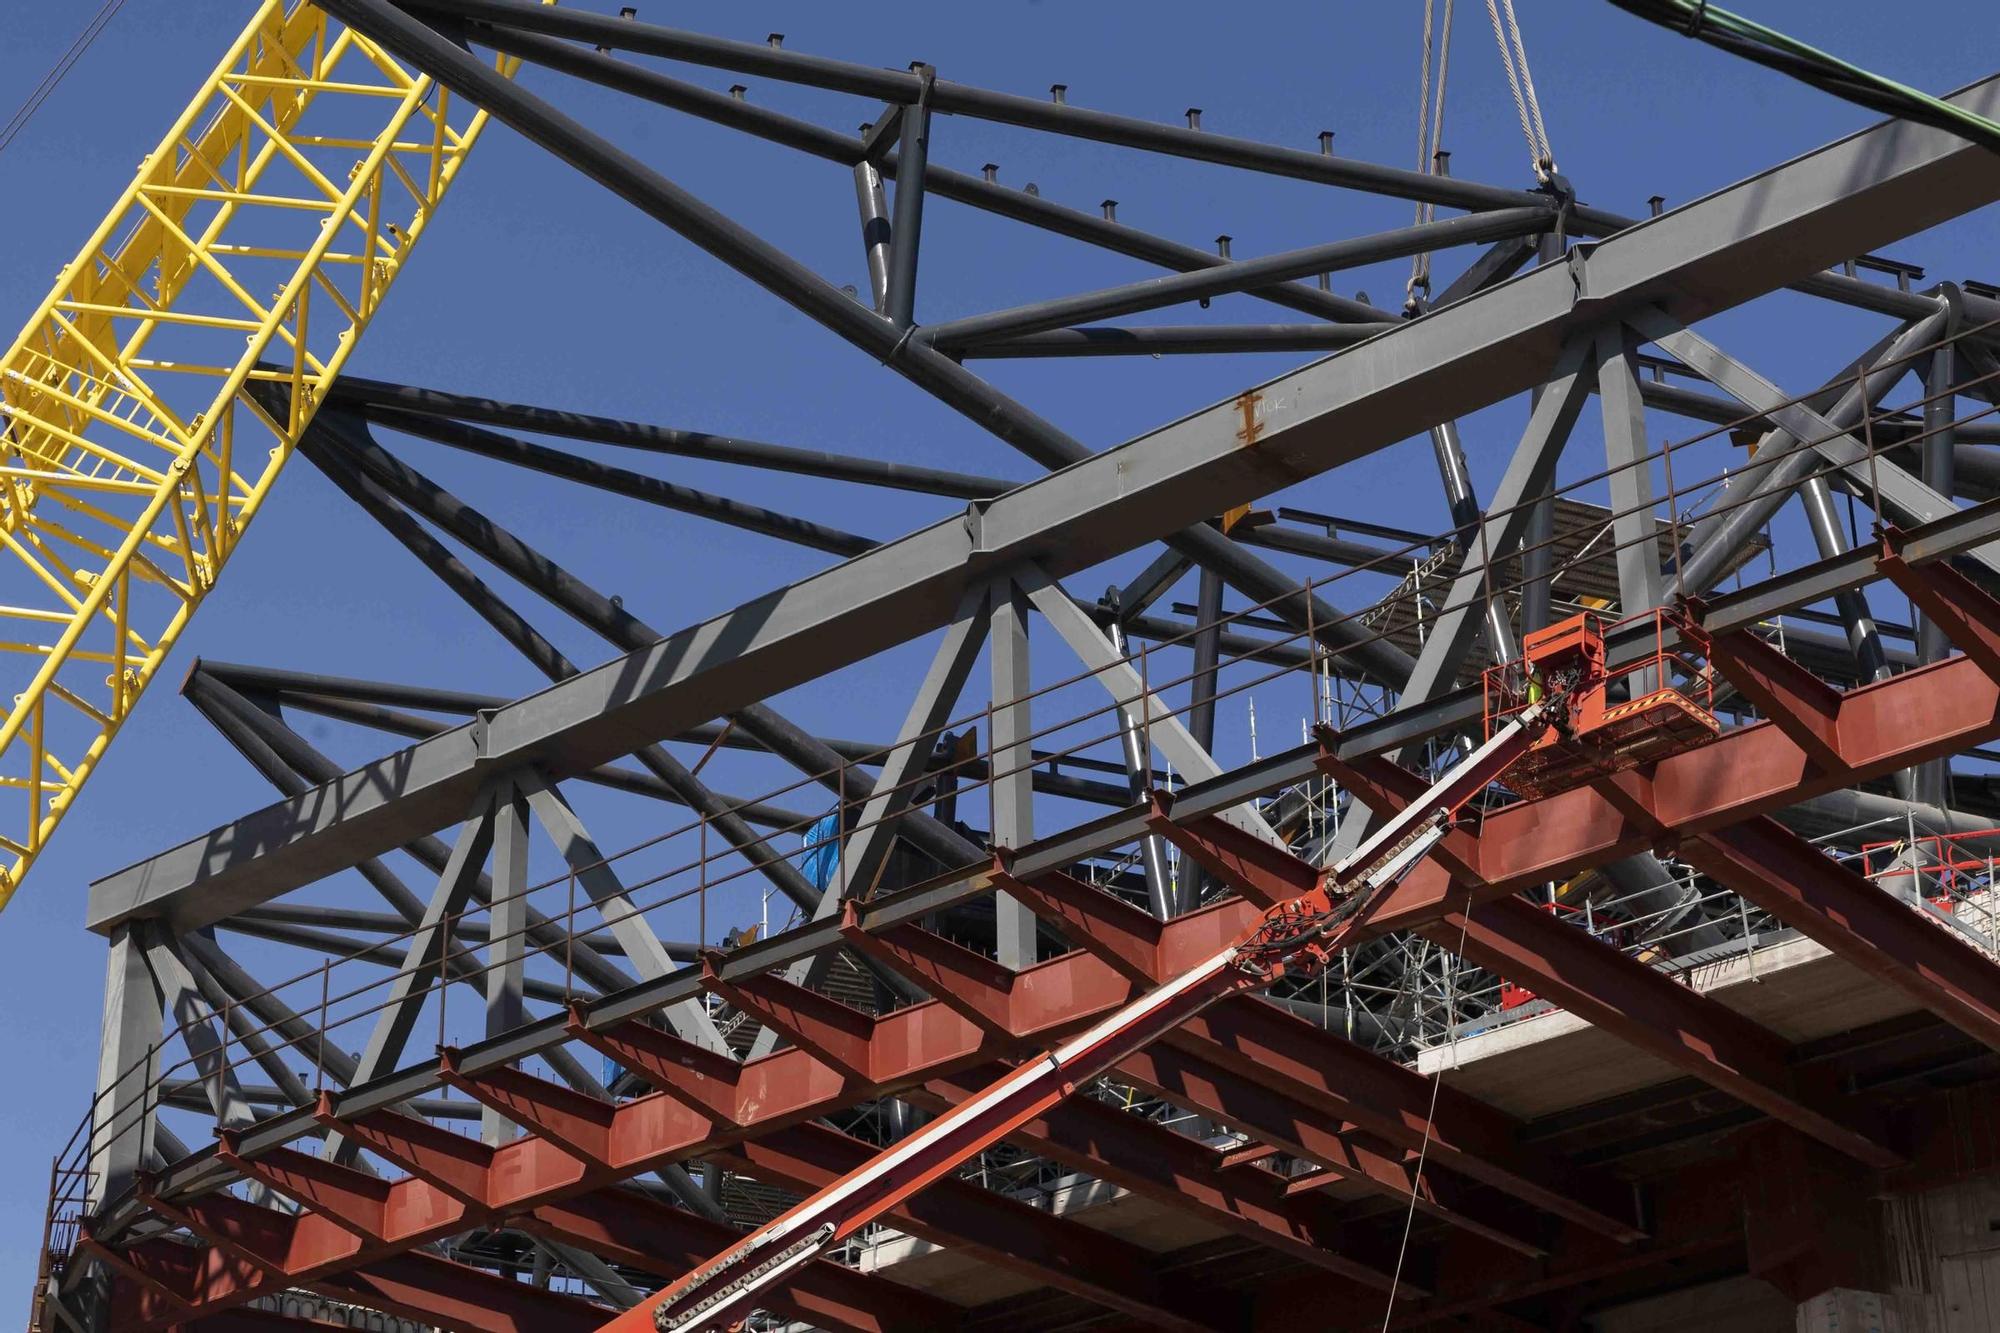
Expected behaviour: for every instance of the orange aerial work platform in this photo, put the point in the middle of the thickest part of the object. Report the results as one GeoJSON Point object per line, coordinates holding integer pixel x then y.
{"type": "Point", "coordinates": [1619, 717]}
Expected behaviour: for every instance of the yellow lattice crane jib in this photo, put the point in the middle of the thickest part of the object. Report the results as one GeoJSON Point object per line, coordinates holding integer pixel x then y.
{"type": "Point", "coordinates": [255, 244]}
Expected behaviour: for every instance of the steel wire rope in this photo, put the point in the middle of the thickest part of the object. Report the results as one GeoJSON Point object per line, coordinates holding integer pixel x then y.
{"type": "Point", "coordinates": [57, 72]}
{"type": "Point", "coordinates": [1430, 134]}
{"type": "Point", "coordinates": [1514, 58]}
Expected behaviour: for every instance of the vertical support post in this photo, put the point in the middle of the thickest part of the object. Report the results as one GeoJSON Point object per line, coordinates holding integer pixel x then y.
{"type": "Point", "coordinates": [1633, 527]}
{"type": "Point", "coordinates": [912, 151]}
{"type": "Point", "coordinates": [1207, 658]}
{"type": "Point", "coordinates": [507, 925]}
{"type": "Point", "coordinates": [121, 1123]}
{"type": "Point", "coordinates": [1933, 779]}
{"type": "Point", "coordinates": [1201, 710]}
{"type": "Point", "coordinates": [1012, 763]}
{"type": "Point", "coordinates": [875, 232]}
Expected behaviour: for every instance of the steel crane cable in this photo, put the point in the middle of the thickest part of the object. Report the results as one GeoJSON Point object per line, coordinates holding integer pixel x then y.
{"type": "Point", "coordinates": [1514, 59]}
{"type": "Point", "coordinates": [1430, 137]}
{"type": "Point", "coordinates": [1753, 41]}
{"type": "Point", "coordinates": [67, 61]}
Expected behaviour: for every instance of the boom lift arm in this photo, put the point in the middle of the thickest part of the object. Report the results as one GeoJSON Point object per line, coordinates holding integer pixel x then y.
{"type": "Point", "coordinates": [1297, 938]}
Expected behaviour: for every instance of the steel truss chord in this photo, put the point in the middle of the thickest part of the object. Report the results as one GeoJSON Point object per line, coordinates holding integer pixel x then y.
{"type": "Point", "coordinates": [1452, 361]}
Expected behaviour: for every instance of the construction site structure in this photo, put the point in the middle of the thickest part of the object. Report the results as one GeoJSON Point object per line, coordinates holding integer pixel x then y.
{"type": "Point", "coordinates": [1574, 912]}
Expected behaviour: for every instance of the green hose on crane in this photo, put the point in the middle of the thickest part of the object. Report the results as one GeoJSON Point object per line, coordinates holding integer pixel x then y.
{"type": "Point", "coordinates": [1753, 41]}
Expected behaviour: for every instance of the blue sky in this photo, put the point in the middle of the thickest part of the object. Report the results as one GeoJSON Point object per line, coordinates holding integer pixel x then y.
{"type": "Point", "coordinates": [537, 286]}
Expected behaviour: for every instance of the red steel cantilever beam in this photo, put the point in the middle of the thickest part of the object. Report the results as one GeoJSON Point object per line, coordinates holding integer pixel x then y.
{"type": "Point", "coordinates": [1298, 936]}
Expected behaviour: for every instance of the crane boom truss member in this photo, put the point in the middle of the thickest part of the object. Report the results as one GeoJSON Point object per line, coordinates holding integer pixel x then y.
{"type": "Point", "coordinates": [1295, 938]}
{"type": "Point", "coordinates": [272, 218]}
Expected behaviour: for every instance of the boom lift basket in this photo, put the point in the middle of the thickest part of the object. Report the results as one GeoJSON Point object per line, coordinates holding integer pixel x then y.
{"type": "Point", "coordinates": [1620, 717]}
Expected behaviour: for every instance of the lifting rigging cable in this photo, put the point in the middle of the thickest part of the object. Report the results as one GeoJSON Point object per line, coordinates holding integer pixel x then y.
{"type": "Point", "coordinates": [1430, 114]}
{"type": "Point", "coordinates": [57, 72]}
{"type": "Point", "coordinates": [1514, 59]}
{"type": "Point", "coordinates": [1430, 137]}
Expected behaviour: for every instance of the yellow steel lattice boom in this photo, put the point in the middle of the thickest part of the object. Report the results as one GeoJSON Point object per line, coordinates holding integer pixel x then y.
{"type": "Point", "coordinates": [255, 244]}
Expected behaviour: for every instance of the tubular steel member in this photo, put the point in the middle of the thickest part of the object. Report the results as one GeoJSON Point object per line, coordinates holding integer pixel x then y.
{"type": "Point", "coordinates": [1298, 937]}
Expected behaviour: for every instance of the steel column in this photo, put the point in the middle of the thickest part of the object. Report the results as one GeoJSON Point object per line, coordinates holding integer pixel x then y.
{"type": "Point", "coordinates": [121, 1130]}
{"type": "Point", "coordinates": [1933, 778]}
{"type": "Point", "coordinates": [1634, 527]}
{"type": "Point", "coordinates": [1011, 790]}
{"type": "Point", "coordinates": [507, 926]}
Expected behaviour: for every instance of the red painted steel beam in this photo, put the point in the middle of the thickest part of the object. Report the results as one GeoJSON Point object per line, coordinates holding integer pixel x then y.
{"type": "Point", "coordinates": [640, 1233]}
{"type": "Point", "coordinates": [1103, 925]}
{"type": "Point", "coordinates": [1200, 1086]}
{"type": "Point", "coordinates": [460, 1298]}
{"type": "Point", "coordinates": [1856, 919]}
{"type": "Point", "coordinates": [1926, 713]}
{"type": "Point", "coordinates": [708, 1105]}
{"type": "Point", "coordinates": [970, 984]}
{"type": "Point", "coordinates": [1170, 1168]}
{"type": "Point", "coordinates": [148, 1280]}
{"type": "Point", "coordinates": [1695, 1211]}
{"type": "Point", "coordinates": [1967, 614]}
{"type": "Point", "coordinates": [244, 1237]}
{"type": "Point", "coordinates": [455, 1177]}
{"type": "Point", "coordinates": [1800, 704]}
{"type": "Point", "coordinates": [1643, 1007]}
{"type": "Point", "coordinates": [1381, 1096]}
{"type": "Point", "coordinates": [202, 1278]}
{"type": "Point", "coordinates": [1226, 850]}
{"type": "Point", "coordinates": [1690, 1031]}
{"type": "Point", "coordinates": [1014, 1236]}
{"type": "Point", "coordinates": [1260, 1043]}
{"type": "Point", "coordinates": [626, 1227]}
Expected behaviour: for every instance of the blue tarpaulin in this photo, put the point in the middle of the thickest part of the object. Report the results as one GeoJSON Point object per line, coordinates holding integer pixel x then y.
{"type": "Point", "coordinates": [822, 854]}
